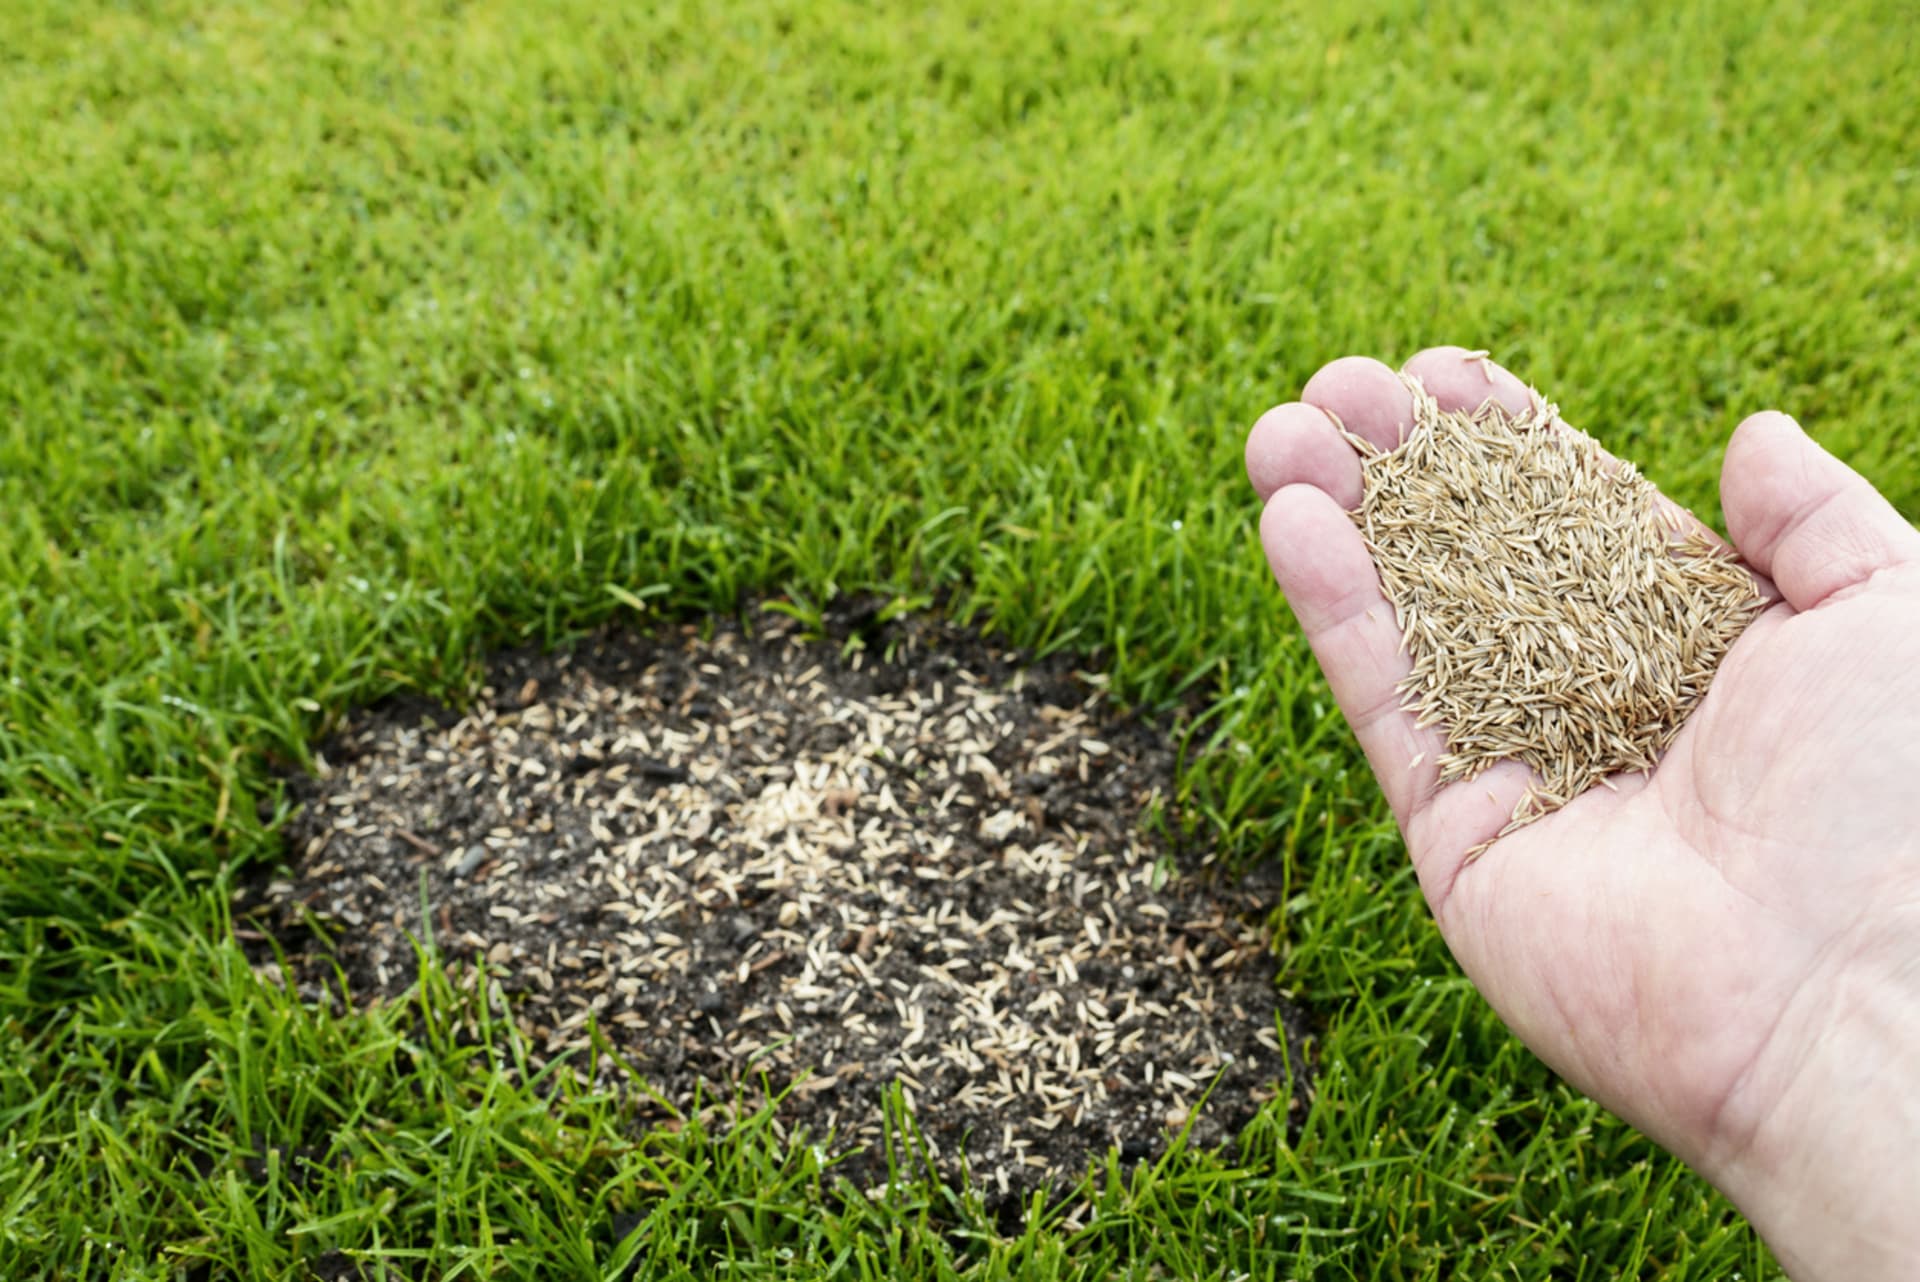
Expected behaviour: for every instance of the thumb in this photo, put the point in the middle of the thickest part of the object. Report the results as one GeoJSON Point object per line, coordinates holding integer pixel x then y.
{"type": "Point", "coordinates": [1802, 517]}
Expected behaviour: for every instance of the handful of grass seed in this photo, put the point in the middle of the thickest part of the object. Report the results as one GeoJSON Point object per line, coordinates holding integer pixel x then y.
{"type": "Point", "coordinates": [1555, 613]}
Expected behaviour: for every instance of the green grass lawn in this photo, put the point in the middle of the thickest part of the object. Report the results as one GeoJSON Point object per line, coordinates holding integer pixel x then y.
{"type": "Point", "coordinates": [340, 343]}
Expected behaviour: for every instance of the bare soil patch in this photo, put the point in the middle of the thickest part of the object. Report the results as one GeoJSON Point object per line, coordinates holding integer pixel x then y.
{"type": "Point", "coordinates": [914, 859]}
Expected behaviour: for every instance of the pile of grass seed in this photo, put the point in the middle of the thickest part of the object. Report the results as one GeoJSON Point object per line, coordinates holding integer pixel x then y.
{"type": "Point", "coordinates": [1556, 610]}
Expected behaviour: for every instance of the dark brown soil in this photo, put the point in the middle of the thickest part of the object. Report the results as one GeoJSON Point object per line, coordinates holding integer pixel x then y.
{"type": "Point", "coordinates": [897, 856]}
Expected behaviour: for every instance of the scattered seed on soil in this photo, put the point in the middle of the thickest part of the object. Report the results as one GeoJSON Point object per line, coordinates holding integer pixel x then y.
{"type": "Point", "coordinates": [1555, 611]}
{"type": "Point", "coordinates": [922, 865]}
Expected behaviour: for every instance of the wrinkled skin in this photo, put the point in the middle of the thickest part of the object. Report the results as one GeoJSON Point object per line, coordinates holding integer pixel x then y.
{"type": "Point", "coordinates": [1725, 952]}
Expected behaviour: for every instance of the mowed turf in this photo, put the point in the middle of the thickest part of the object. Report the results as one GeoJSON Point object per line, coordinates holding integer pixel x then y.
{"type": "Point", "coordinates": [341, 343]}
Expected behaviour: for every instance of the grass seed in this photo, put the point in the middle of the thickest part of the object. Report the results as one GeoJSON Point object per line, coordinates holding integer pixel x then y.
{"type": "Point", "coordinates": [1556, 610]}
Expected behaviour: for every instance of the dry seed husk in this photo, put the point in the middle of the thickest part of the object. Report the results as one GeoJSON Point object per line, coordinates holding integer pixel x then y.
{"type": "Point", "coordinates": [1554, 612]}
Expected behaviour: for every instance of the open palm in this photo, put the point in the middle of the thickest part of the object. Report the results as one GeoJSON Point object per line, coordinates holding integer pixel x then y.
{"type": "Point", "coordinates": [1726, 951]}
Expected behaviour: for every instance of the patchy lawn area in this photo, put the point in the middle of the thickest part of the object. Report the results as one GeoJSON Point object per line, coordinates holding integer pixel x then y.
{"type": "Point", "coordinates": [347, 346]}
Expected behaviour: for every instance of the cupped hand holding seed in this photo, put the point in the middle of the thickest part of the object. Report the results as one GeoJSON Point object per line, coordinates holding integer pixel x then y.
{"type": "Point", "coordinates": [1724, 948]}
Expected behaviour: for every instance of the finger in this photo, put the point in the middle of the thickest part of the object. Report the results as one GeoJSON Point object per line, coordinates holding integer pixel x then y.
{"type": "Point", "coordinates": [1459, 379]}
{"type": "Point", "coordinates": [1322, 566]}
{"type": "Point", "coordinates": [1365, 397]}
{"type": "Point", "coordinates": [1802, 517]}
{"type": "Point", "coordinates": [1296, 444]}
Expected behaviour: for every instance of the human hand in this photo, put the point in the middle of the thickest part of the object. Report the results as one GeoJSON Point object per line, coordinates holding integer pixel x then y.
{"type": "Point", "coordinates": [1725, 951]}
